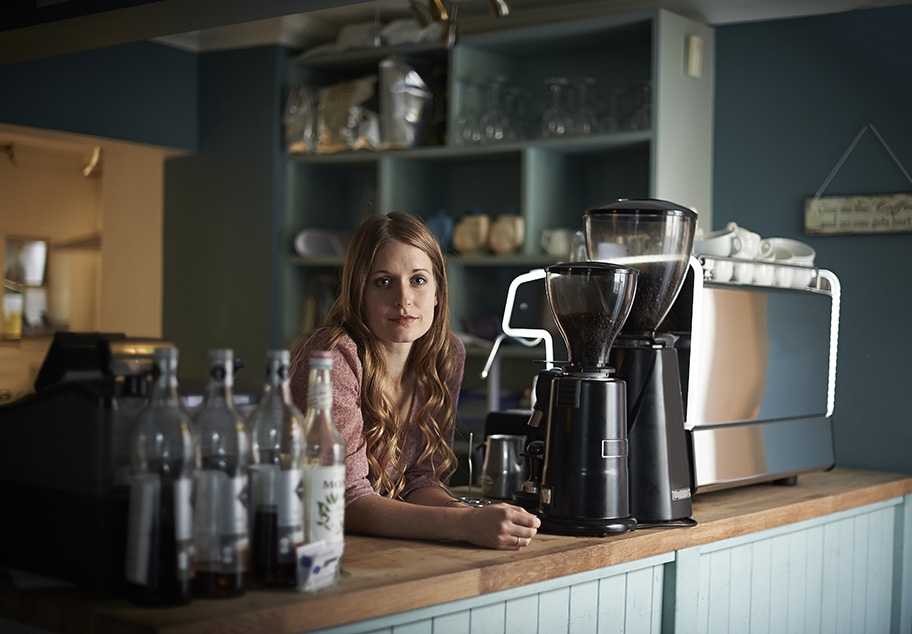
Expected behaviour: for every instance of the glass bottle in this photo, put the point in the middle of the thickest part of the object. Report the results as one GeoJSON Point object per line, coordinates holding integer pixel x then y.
{"type": "Point", "coordinates": [220, 520]}
{"type": "Point", "coordinates": [323, 463]}
{"type": "Point", "coordinates": [276, 432]}
{"type": "Point", "coordinates": [160, 561]}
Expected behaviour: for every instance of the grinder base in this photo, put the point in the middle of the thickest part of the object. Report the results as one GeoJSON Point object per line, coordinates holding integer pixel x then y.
{"type": "Point", "coordinates": [586, 527]}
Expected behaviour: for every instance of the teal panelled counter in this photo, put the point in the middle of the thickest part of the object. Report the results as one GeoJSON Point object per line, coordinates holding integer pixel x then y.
{"type": "Point", "coordinates": [831, 554]}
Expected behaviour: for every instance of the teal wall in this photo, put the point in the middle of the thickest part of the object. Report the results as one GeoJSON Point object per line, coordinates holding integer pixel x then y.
{"type": "Point", "coordinates": [223, 215]}
{"type": "Point", "coordinates": [790, 97]}
{"type": "Point", "coordinates": [142, 92]}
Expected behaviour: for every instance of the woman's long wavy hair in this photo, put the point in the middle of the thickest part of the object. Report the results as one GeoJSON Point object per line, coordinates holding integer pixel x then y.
{"type": "Point", "coordinates": [431, 358]}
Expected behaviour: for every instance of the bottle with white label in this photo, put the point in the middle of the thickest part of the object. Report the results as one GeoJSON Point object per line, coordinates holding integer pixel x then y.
{"type": "Point", "coordinates": [220, 529]}
{"type": "Point", "coordinates": [276, 432]}
{"type": "Point", "coordinates": [323, 462]}
{"type": "Point", "coordinates": [160, 561]}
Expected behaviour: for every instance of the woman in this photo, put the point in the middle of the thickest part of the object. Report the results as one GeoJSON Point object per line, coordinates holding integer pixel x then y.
{"type": "Point", "coordinates": [397, 369]}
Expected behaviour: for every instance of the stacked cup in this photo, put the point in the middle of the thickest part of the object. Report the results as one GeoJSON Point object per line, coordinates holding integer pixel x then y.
{"type": "Point", "coordinates": [737, 243]}
{"type": "Point", "coordinates": [737, 254]}
{"type": "Point", "coordinates": [792, 252]}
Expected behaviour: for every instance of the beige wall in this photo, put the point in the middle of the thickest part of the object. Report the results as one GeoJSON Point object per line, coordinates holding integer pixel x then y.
{"type": "Point", "coordinates": [131, 266]}
{"type": "Point", "coordinates": [112, 287]}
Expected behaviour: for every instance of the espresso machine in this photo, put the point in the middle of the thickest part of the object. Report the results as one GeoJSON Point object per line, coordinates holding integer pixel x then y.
{"type": "Point", "coordinates": [584, 479]}
{"type": "Point", "coordinates": [655, 237]}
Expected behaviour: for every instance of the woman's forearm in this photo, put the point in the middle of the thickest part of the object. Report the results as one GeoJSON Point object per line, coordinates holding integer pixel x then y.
{"type": "Point", "coordinates": [425, 519]}
{"type": "Point", "coordinates": [431, 516]}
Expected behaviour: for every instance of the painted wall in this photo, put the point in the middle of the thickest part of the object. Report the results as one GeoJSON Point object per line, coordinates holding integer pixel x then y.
{"type": "Point", "coordinates": [45, 196]}
{"type": "Point", "coordinates": [114, 286]}
{"type": "Point", "coordinates": [791, 95]}
{"type": "Point", "coordinates": [223, 214]}
{"type": "Point", "coordinates": [141, 92]}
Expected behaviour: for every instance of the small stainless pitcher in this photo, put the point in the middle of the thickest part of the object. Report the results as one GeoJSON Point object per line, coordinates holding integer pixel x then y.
{"type": "Point", "coordinates": [503, 471]}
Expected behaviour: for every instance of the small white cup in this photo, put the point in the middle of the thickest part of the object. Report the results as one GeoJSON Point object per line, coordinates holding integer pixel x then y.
{"type": "Point", "coordinates": [745, 272]}
{"type": "Point", "coordinates": [801, 253]}
{"type": "Point", "coordinates": [745, 244]}
{"type": "Point", "coordinates": [783, 274]}
{"type": "Point", "coordinates": [764, 273]}
{"type": "Point", "coordinates": [722, 270]}
{"type": "Point", "coordinates": [716, 242]}
{"type": "Point", "coordinates": [558, 242]}
{"type": "Point", "coordinates": [765, 267]}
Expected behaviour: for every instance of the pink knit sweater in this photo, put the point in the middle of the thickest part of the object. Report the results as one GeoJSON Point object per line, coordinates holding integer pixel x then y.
{"type": "Point", "coordinates": [347, 374]}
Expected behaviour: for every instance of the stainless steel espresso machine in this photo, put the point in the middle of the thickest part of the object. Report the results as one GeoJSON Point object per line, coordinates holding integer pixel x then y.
{"type": "Point", "coordinates": [656, 238]}
{"type": "Point", "coordinates": [584, 486]}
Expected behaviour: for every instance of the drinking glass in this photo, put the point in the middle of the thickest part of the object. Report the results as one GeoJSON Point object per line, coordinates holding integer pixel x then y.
{"type": "Point", "coordinates": [515, 105]}
{"type": "Point", "coordinates": [641, 106]}
{"type": "Point", "coordinates": [611, 121]}
{"type": "Point", "coordinates": [494, 124]}
{"type": "Point", "coordinates": [584, 120]}
{"type": "Point", "coordinates": [555, 119]}
{"type": "Point", "coordinates": [467, 130]}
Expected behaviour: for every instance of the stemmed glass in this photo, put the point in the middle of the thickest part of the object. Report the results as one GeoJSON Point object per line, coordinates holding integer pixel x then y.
{"type": "Point", "coordinates": [555, 119]}
{"type": "Point", "coordinates": [612, 119]}
{"type": "Point", "coordinates": [494, 124]}
{"type": "Point", "coordinates": [642, 106]}
{"type": "Point", "coordinates": [516, 107]}
{"type": "Point", "coordinates": [467, 129]}
{"type": "Point", "coordinates": [584, 119]}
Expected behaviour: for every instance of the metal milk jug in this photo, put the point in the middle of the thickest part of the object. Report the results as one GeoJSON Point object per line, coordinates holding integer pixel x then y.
{"type": "Point", "coordinates": [502, 473]}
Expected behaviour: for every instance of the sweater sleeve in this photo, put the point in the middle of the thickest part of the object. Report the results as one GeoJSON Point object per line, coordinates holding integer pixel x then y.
{"type": "Point", "coordinates": [346, 389]}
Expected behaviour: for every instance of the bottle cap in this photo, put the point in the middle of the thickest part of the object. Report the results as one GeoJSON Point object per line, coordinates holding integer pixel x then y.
{"type": "Point", "coordinates": [221, 354]}
{"type": "Point", "coordinates": [321, 359]}
{"type": "Point", "coordinates": [278, 355]}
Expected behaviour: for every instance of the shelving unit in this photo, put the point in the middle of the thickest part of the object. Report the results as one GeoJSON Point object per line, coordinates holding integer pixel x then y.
{"type": "Point", "coordinates": [551, 181]}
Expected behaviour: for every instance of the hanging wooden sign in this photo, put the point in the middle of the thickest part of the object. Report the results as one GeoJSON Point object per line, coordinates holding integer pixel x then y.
{"type": "Point", "coordinates": [880, 213]}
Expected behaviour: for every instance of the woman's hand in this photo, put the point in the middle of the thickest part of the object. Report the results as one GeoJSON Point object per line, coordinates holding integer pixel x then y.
{"type": "Point", "coordinates": [501, 526]}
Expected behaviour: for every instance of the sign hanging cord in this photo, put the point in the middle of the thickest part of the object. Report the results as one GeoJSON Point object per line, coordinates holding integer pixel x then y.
{"type": "Point", "coordinates": [851, 147]}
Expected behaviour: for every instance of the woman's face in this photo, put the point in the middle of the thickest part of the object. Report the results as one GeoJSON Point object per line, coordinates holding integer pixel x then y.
{"type": "Point", "coordinates": [401, 294]}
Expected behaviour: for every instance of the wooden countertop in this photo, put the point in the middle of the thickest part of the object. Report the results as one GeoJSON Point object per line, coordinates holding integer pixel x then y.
{"type": "Point", "coordinates": [386, 576]}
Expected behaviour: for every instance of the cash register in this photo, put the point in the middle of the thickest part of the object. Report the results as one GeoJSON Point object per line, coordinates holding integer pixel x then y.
{"type": "Point", "coordinates": [64, 460]}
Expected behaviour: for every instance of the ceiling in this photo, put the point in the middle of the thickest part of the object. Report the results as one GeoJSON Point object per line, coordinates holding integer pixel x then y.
{"type": "Point", "coordinates": [314, 27]}
{"type": "Point", "coordinates": [40, 28]}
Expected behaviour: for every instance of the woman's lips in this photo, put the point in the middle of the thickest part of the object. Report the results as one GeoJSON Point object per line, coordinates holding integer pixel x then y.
{"type": "Point", "coordinates": [404, 320]}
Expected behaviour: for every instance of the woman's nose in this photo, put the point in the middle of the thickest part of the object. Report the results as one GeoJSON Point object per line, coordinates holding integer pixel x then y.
{"type": "Point", "coordinates": [405, 297]}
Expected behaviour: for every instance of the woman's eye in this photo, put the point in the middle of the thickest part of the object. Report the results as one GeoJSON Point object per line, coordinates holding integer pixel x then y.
{"type": "Point", "coordinates": [419, 280]}
{"type": "Point", "coordinates": [382, 282]}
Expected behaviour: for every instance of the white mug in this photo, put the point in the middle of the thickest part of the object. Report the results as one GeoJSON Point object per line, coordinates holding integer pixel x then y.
{"type": "Point", "coordinates": [716, 242]}
{"type": "Point", "coordinates": [764, 269]}
{"type": "Point", "coordinates": [745, 244]}
{"type": "Point", "coordinates": [801, 253]}
{"type": "Point", "coordinates": [557, 242]}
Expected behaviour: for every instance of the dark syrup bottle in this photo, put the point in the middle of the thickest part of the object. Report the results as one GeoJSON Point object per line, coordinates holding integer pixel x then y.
{"type": "Point", "coordinates": [160, 558]}
{"type": "Point", "coordinates": [276, 431]}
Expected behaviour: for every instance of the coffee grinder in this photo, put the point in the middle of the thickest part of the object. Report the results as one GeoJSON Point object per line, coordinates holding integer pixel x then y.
{"type": "Point", "coordinates": [656, 238]}
{"type": "Point", "coordinates": [584, 487]}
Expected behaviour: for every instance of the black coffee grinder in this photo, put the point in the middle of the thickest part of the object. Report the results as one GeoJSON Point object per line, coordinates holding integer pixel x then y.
{"type": "Point", "coordinates": [584, 487]}
{"type": "Point", "coordinates": [656, 238]}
